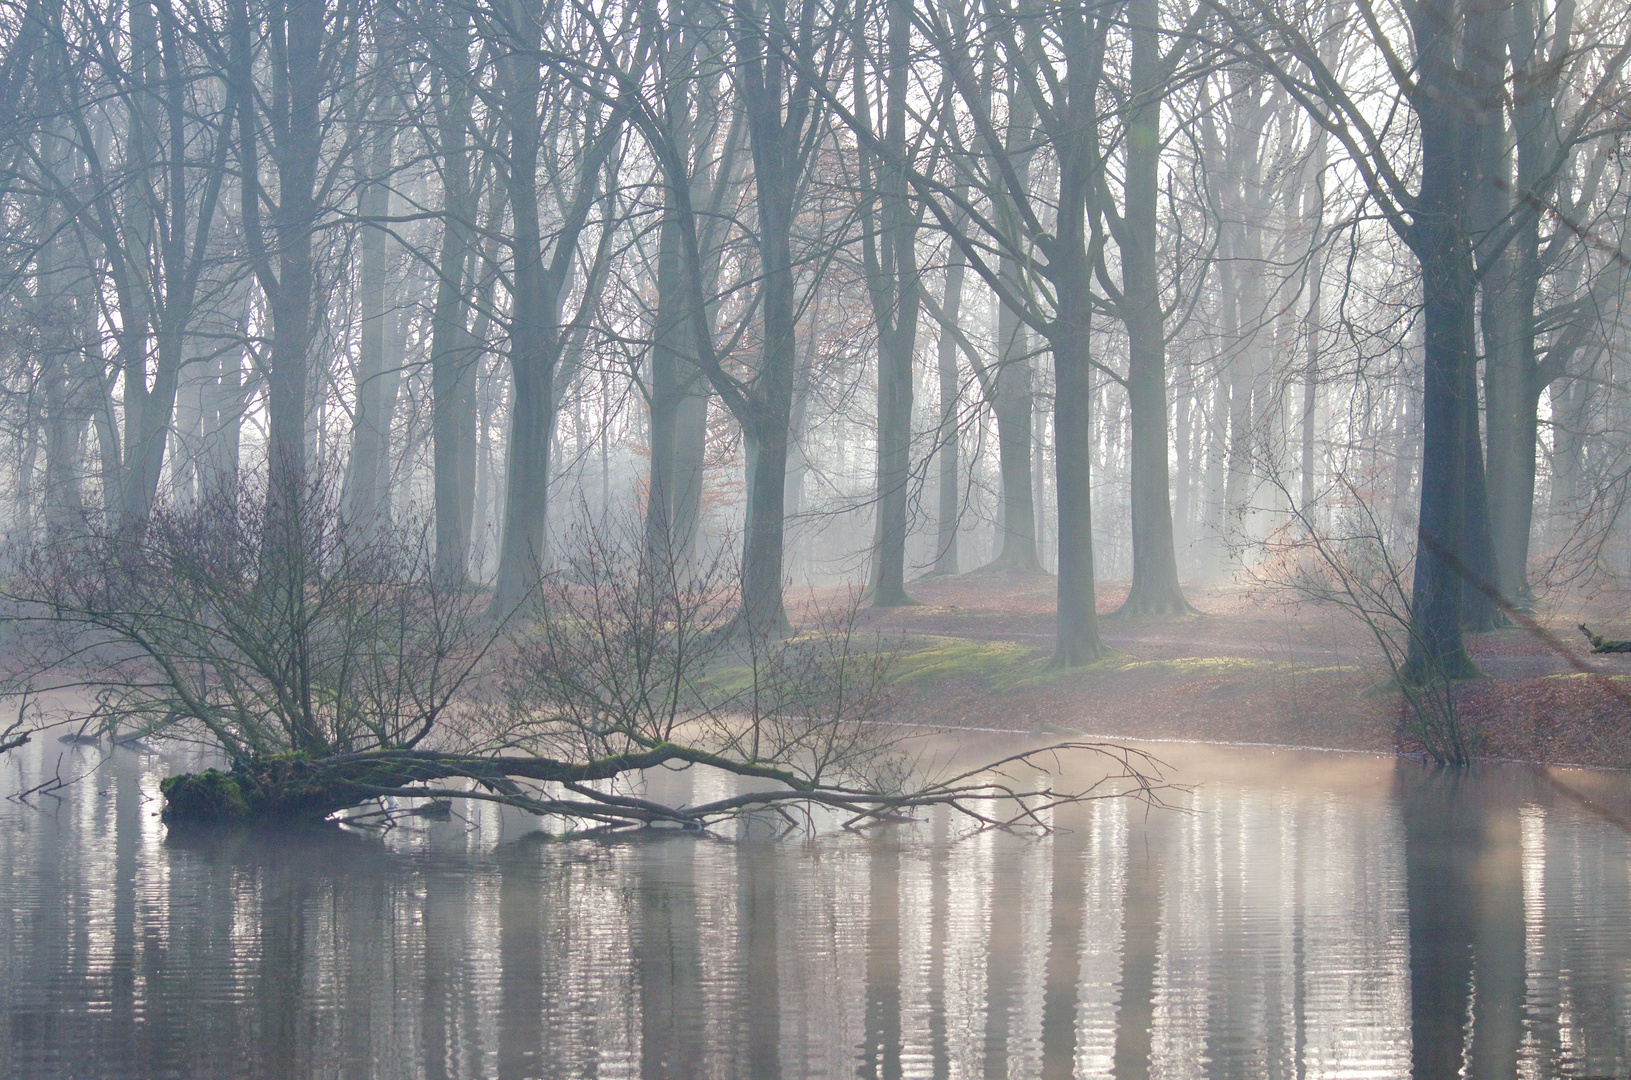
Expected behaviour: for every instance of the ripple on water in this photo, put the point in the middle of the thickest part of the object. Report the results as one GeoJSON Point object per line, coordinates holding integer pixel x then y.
{"type": "Point", "coordinates": [1261, 928]}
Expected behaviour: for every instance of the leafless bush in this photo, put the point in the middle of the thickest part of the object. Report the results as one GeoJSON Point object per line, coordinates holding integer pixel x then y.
{"type": "Point", "coordinates": [331, 667]}
{"type": "Point", "coordinates": [636, 651]}
{"type": "Point", "coordinates": [202, 626]}
{"type": "Point", "coordinates": [1350, 565]}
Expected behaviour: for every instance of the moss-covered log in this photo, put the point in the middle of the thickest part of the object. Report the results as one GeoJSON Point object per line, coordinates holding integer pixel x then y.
{"type": "Point", "coordinates": [299, 788]}
{"type": "Point", "coordinates": [295, 786]}
{"type": "Point", "coordinates": [279, 789]}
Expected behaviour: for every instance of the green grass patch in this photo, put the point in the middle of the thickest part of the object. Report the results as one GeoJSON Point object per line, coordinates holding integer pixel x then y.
{"type": "Point", "coordinates": [929, 659]}
{"type": "Point", "coordinates": [1012, 667]}
{"type": "Point", "coordinates": [1197, 666]}
{"type": "Point", "coordinates": [1588, 675]}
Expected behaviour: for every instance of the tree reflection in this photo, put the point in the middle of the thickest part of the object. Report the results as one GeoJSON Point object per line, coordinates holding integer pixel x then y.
{"type": "Point", "coordinates": [1463, 863]}
{"type": "Point", "coordinates": [1064, 972]}
{"type": "Point", "coordinates": [1141, 930]}
{"type": "Point", "coordinates": [880, 1049]}
{"type": "Point", "coordinates": [670, 963]}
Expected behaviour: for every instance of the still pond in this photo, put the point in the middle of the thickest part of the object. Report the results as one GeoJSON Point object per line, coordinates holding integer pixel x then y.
{"type": "Point", "coordinates": [1296, 914]}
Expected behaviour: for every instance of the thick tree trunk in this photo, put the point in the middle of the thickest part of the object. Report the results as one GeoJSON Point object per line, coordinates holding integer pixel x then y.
{"type": "Point", "coordinates": [538, 340]}
{"type": "Point", "coordinates": [891, 260]}
{"type": "Point", "coordinates": [777, 107]}
{"type": "Point", "coordinates": [286, 273]}
{"type": "Point", "coordinates": [453, 359]}
{"type": "Point", "coordinates": [895, 387]}
{"type": "Point", "coordinates": [770, 416]}
{"type": "Point", "coordinates": [1514, 380]}
{"type": "Point", "coordinates": [1155, 589]}
{"type": "Point", "coordinates": [1501, 321]}
{"type": "Point", "coordinates": [148, 410]}
{"type": "Point", "coordinates": [1070, 267]}
{"type": "Point", "coordinates": [1438, 237]}
{"type": "Point", "coordinates": [532, 352]}
{"type": "Point", "coordinates": [365, 509]}
{"type": "Point", "coordinates": [1077, 639]}
{"type": "Point", "coordinates": [1437, 650]}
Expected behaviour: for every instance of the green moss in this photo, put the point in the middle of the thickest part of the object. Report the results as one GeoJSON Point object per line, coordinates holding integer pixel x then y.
{"type": "Point", "coordinates": [211, 795]}
{"type": "Point", "coordinates": [1192, 666]}
{"type": "Point", "coordinates": [1589, 675]}
{"type": "Point", "coordinates": [930, 659]}
{"type": "Point", "coordinates": [280, 787]}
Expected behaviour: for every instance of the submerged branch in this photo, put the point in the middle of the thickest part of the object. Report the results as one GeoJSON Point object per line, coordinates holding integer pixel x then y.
{"type": "Point", "coordinates": [294, 787]}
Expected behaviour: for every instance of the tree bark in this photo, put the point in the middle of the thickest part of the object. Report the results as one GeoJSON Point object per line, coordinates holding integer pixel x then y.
{"type": "Point", "coordinates": [454, 356]}
{"type": "Point", "coordinates": [890, 255]}
{"type": "Point", "coordinates": [538, 340]}
{"type": "Point", "coordinates": [365, 507]}
{"type": "Point", "coordinates": [1439, 238]}
{"type": "Point", "coordinates": [285, 268]}
{"type": "Point", "coordinates": [1070, 267]}
{"type": "Point", "coordinates": [950, 480]}
{"type": "Point", "coordinates": [1155, 589]}
{"type": "Point", "coordinates": [1514, 377]}
{"type": "Point", "coordinates": [679, 393]}
{"type": "Point", "coordinates": [1012, 407]}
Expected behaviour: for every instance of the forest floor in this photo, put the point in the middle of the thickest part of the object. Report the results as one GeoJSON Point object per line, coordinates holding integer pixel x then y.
{"type": "Point", "coordinates": [1252, 667]}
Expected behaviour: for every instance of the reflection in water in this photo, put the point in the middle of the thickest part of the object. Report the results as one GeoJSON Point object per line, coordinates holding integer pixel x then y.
{"type": "Point", "coordinates": [1302, 916]}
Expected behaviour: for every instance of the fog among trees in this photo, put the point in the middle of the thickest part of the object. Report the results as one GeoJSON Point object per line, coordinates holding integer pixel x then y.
{"type": "Point", "coordinates": [862, 293]}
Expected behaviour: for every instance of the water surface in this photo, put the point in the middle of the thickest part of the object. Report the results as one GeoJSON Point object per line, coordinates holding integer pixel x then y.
{"type": "Point", "coordinates": [1305, 915]}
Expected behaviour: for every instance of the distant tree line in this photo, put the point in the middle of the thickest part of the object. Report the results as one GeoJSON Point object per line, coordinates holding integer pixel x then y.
{"type": "Point", "coordinates": [1105, 288]}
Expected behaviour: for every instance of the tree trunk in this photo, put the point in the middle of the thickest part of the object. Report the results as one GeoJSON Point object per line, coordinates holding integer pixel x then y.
{"type": "Point", "coordinates": [1070, 267]}
{"type": "Point", "coordinates": [667, 367]}
{"type": "Point", "coordinates": [949, 510]}
{"type": "Point", "coordinates": [679, 408]}
{"type": "Point", "coordinates": [1513, 378]}
{"type": "Point", "coordinates": [453, 356]}
{"type": "Point", "coordinates": [1012, 407]}
{"type": "Point", "coordinates": [538, 341]}
{"type": "Point", "coordinates": [365, 509]}
{"type": "Point", "coordinates": [891, 261]}
{"type": "Point", "coordinates": [1077, 637]}
{"type": "Point", "coordinates": [147, 411]}
{"type": "Point", "coordinates": [771, 412]}
{"type": "Point", "coordinates": [286, 272]}
{"type": "Point", "coordinates": [65, 313]}
{"type": "Point", "coordinates": [1010, 390]}
{"type": "Point", "coordinates": [1438, 237]}
{"type": "Point", "coordinates": [1155, 589]}
{"type": "Point", "coordinates": [532, 358]}
{"type": "Point", "coordinates": [223, 416]}
{"type": "Point", "coordinates": [777, 107]}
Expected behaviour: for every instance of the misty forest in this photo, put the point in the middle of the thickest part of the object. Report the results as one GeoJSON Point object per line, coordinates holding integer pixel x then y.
{"type": "Point", "coordinates": [815, 537]}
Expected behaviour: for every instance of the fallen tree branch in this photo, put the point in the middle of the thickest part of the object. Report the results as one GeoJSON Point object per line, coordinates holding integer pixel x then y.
{"type": "Point", "coordinates": [1601, 644]}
